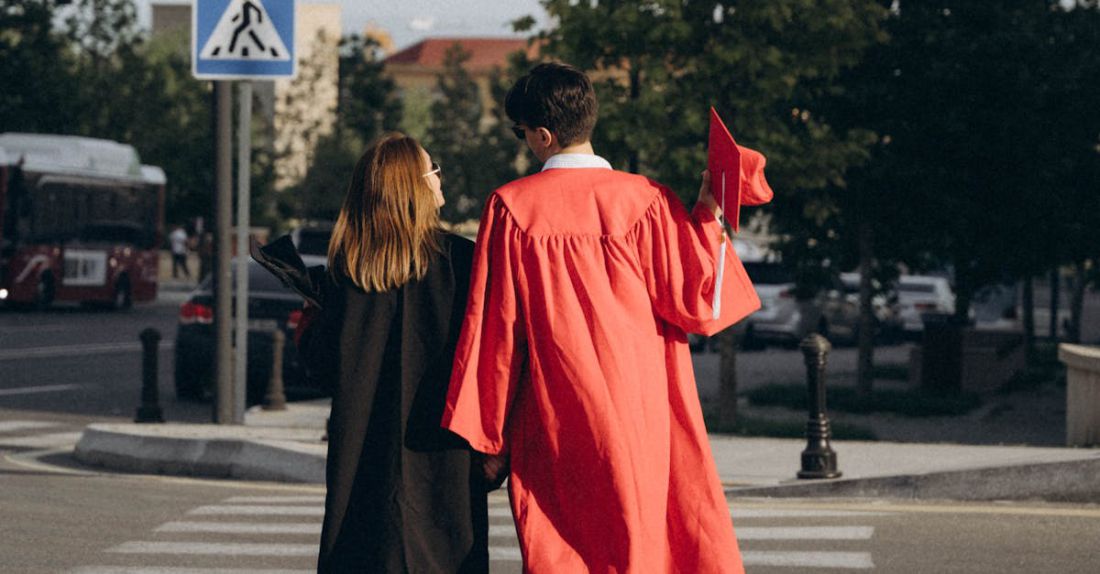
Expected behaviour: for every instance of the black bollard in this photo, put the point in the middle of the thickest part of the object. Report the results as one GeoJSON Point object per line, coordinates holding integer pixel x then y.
{"type": "Point", "coordinates": [818, 460]}
{"type": "Point", "coordinates": [149, 411]}
{"type": "Point", "coordinates": [275, 400]}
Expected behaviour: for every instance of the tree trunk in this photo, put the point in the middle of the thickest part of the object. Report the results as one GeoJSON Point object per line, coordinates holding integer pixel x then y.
{"type": "Point", "coordinates": [1077, 302]}
{"type": "Point", "coordinates": [728, 341]}
{"type": "Point", "coordinates": [866, 342]}
{"type": "Point", "coordinates": [1055, 290]}
{"type": "Point", "coordinates": [1029, 316]}
{"type": "Point", "coordinates": [964, 294]}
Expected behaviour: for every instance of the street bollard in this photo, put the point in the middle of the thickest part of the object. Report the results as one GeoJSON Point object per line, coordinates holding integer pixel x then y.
{"type": "Point", "coordinates": [818, 460]}
{"type": "Point", "coordinates": [275, 400]}
{"type": "Point", "coordinates": [149, 411]}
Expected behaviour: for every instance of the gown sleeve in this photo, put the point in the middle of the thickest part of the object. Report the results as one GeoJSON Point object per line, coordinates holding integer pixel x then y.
{"type": "Point", "coordinates": [678, 253]}
{"type": "Point", "coordinates": [491, 349]}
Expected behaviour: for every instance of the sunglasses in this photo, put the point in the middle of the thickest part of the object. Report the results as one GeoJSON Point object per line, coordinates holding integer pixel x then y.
{"type": "Point", "coordinates": [436, 170]}
{"type": "Point", "coordinates": [520, 131]}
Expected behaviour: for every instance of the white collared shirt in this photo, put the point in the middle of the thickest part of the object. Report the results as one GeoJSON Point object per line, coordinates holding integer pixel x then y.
{"type": "Point", "coordinates": [575, 160]}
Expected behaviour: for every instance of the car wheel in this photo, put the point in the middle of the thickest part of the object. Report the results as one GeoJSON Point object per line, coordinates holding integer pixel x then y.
{"type": "Point", "coordinates": [123, 297]}
{"type": "Point", "coordinates": [823, 328]}
{"type": "Point", "coordinates": [750, 342]}
{"type": "Point", "coordinates": [189, 382]}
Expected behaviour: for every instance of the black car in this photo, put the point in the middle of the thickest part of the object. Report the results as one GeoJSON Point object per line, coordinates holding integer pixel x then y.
{"type": "Point", "coordinates": [271, 306]}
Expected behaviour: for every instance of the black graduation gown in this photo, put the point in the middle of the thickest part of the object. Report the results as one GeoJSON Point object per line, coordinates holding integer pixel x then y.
{"type": "Point", "coordinates": [403, 494]}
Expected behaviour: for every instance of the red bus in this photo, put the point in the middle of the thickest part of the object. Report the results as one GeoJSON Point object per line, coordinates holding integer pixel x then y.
{"type": "Point", "coordinates": [80, 221]}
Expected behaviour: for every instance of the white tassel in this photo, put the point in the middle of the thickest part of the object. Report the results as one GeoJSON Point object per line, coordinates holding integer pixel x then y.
{"type": "Point", "coordinates": [716, 305]}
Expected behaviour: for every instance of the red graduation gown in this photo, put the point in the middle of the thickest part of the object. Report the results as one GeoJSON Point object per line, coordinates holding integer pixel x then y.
{"type": "Point", "coordinates": [573, 358]}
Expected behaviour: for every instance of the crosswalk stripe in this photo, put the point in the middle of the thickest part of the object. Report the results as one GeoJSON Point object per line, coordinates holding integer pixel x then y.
{"type": "Point", "coordinates": [853, 560]}
{"type": "Point", "coordinates": [171, 570]}
{"type": "Point", "coordinates": [242, 527]}
{"type": "Point", "coordinates": [244, 510]}
{"type": "Point", "coordinates": [806, 533]}
{"type": "Point", "coordinates": [799, 513]}
{"type": "Point", "coordinates": [42, 440]}
{"type": "Point", "coordinates": [11, 426]}
{"type": "Point", "coordinates": [305, 499]}
{"type": "Point", "coordinates": [215, 548]}
{"type": "Point", "coordinates": [505, 554]}
{"type": "Point", "coordinates": [502, 530]}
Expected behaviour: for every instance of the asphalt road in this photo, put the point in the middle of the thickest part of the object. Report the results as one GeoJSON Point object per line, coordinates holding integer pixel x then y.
{"type": "Point", "coordinates": [63, 519]}
{"type": "Point", "coordinates": [79, 363]}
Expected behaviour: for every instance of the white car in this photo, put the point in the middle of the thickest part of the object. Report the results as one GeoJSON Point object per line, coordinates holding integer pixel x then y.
{"type": "Point", "coordinates": [920, 294]}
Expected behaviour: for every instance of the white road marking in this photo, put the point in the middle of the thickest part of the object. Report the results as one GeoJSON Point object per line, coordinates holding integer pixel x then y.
{"type": "Point", "coordinates": [504, 512]}
{"type": "Point", "coordinates": [169, 570]}
{"type": "Point", "coordinates": [244, 510]}
{"type": "Point", "coordinates": [806, 533]}
{"type": "Point", "coordinates": [53, 440]}
{"type": "Point", "coordinates": [275, 500]}
{"type": "Point", "coordinates": [738, 512]}
{"type": "Point", "coordinates": [505, 554]}
{"type": "Point", "coordinates": [815, 560]}
{"type": "Point", "coordinates": [11, 426]}
{"type": "Point", "coordinates": [36, 390]}
{"type": "Point", "coordinates": [78, 350]}
{"type": "Point", "coordinates": [502, 530]}
{"type": "Point", "coordinates": [242, 527]}
{"type": "Point", "coordinates": [215, 549]}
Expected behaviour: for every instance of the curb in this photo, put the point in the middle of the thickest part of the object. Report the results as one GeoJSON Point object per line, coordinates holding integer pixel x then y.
{"type": "Point", "coordinates": [240, 458]}
{"type": "Point", "coordinates": [1064, 481]}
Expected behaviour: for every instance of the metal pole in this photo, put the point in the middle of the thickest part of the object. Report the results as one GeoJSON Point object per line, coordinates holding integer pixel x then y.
{"type": "Point", "coordinates": [818, 460]}
{"type": "Point", "coordinates": [244, 172]}
{"type": "Point", "coordinates": [149, 411]}
{"type": "Point", "coordinates": [223, 399]}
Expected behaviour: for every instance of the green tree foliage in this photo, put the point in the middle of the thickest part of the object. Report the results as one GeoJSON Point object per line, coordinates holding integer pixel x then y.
{"type": "Point", "coordinates": [478, 154]}
{"type": "Point", "coordinates": [36, 83]}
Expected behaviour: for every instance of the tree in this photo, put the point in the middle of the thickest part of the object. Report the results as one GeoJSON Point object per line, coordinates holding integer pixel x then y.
{"type": "Point", "coordinates": [36, 76]}
{"type": "Point", "coordinates": [476, 155]}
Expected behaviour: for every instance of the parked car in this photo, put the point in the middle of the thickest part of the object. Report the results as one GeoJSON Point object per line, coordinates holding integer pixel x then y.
{"type": "Point", "coordinates": [271, 306]}
{"type": "Point", "coordinates": [312, 238]}
{"type": "Point", "coordinates": [883, 306]}
{"type": "Point", "coordinates": [922, 294]}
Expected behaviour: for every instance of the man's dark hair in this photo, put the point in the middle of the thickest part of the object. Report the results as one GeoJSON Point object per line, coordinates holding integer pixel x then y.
{"type": "Point", "coordinates": [557, 97]}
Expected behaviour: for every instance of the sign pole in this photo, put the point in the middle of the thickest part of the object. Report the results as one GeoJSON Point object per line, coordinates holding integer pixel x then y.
{"type": "Point", "coordinates": [244, 172]}
{"type": "Point", "coordinates": [223, 400]}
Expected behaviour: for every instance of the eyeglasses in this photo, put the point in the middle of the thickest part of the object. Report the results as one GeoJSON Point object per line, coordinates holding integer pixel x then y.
{"type": "Point", "coordinates": [435, 169]}
{"type": "Point", "coordinates": [520, 131]}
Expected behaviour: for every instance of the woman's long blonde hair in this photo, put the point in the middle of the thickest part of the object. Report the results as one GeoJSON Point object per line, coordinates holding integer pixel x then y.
{"type": "Point", "coordinates": [387, 230]}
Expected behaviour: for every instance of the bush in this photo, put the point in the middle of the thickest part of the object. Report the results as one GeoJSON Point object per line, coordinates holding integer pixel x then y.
{"type": "Point", "coordinates": [847, 399]}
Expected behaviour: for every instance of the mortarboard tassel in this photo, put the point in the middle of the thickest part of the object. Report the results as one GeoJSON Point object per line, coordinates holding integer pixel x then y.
{"type": "Point", "coordinates": [717, 303]}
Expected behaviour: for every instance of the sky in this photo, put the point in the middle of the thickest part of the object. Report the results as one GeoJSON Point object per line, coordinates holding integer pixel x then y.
{"type": "Point", "coordinates": [409, 21]}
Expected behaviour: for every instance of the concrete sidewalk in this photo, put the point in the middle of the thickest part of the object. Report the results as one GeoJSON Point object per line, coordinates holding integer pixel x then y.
{"type": "Point", "coordinates": [287, 446]}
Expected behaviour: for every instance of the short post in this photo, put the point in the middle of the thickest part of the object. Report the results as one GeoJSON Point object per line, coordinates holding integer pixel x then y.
{"type": "Point", "coordinates": [275, 400]}
{"type": "Point", "coordinates": [149, 411]}
{"type": "Point", "coordinates": [818, 460]}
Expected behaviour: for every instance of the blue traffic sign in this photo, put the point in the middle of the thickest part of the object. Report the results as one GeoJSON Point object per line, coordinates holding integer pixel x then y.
{"type": "Point", "coordinates": [243, 39]}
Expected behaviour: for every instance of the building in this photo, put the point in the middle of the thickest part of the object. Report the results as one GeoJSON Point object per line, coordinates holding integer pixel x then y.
{"type": "Point", "coordinates": [416, 69]}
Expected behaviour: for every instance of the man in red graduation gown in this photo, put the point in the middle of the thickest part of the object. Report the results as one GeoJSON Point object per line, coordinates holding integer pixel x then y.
{"type": "Point", "coordinates": [573, 359]}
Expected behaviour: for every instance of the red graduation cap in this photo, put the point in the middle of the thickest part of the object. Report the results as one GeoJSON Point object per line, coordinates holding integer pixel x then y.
{"type": "Point", "coordinates": [743, 168]}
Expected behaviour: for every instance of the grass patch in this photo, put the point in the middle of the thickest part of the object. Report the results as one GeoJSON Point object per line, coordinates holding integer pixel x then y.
{"type": "Point", "coordinates": [846, 399]}
{"type": "Point", "coordinates": [752, 426]}
{"type": "Point", "coordinates": [895, 372]}
{"type": "Point", "coordinates": [1043, 369]}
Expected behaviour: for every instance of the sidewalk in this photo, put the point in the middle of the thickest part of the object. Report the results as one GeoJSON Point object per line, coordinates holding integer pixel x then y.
{"type": "Point", "coordinates": [286, 446]}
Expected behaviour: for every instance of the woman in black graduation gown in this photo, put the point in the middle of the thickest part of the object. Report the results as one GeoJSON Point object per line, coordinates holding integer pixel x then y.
{"type": "Point", "coordinates": [404, 495]}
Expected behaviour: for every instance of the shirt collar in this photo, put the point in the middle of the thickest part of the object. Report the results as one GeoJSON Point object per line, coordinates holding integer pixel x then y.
{"type": "Point", "coordinates": [575, 160]}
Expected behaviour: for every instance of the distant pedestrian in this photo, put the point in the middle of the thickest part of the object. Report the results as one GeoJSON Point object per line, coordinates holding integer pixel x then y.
{"type": "Point", "coordinates": [404, 494]}
{"type": "Point", "coordinates": [179, 241]}
{"type": "Point", "coordinates": [573, 360]}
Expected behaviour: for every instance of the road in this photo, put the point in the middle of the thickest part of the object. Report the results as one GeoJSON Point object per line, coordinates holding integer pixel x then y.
{"type": "Point", "coordinates": [63, 519]}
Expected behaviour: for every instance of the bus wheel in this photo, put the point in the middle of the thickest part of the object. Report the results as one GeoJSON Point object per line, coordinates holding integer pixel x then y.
{"type": "Point", "coordinates": [123, 298]}
{"type": "Point", "coordinates": [44, 292]}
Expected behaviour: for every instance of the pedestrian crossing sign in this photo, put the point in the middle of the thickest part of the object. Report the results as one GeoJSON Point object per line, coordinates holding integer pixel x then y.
{"type": "Point", "coordinates": [243, 39]}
